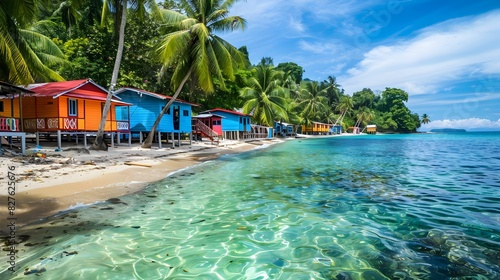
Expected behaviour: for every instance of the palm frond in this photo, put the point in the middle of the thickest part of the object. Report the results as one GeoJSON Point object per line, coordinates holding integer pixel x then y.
{"type": "Point", "coordinates": [41, 42]}
{"type": "Point", "coordinates": [173, 18]}
{"type": "Point", "coordinates": [224, 58]}
{"type": "Point", "coordinates": [173, 46]}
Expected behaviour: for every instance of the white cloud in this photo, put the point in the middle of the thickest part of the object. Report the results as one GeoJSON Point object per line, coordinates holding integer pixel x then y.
{"type": "Point", "coordinates": [470, 123]}
{"type": "Point", "coordinates": [439, 54]}
{"type": "Point", "coordinates": [296, 24]}
{"type": "Point", "coordinates": [319, 47]}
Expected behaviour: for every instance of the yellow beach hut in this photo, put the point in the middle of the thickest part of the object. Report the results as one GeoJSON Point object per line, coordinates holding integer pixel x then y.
{"type": "Point", "coordinates": [371, 129]}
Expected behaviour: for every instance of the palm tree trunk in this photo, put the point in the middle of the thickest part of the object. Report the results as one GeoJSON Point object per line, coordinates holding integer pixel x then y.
{"type": "Point", "coordinates": [341, 118]}
{"type": "Point", "coordinates": [149, 140]}
{"type": "Point", "coordinates": [99, 143]}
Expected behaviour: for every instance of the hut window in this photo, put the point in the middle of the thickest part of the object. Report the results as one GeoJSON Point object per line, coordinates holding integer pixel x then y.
{"type": "Point", "coordinates": [123, 112]}
{"type": "Point", "coordinates": [241, 119]}
{"type": "Point", "coordinates": [72, 107]}
{"type": "Point", "coordinates": [185, 113]}
{"type": "Point", "coordinates": [1, 106]}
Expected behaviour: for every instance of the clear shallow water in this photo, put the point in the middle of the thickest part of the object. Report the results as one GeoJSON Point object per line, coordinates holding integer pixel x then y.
{"type": "Point", "coordinates": [423, 206]}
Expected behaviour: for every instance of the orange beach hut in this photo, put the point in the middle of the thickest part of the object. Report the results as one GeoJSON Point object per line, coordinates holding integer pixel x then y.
{"type": "Point", "coordinates": [72, 107]}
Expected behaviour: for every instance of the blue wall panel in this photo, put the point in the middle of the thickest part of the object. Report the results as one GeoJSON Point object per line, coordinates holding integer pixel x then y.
{"type": "Point", "coordinates": [146, 108]}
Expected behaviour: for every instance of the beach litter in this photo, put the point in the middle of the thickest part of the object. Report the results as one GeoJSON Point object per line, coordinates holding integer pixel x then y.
{"type": "Point", "coordinates": [34, 271]}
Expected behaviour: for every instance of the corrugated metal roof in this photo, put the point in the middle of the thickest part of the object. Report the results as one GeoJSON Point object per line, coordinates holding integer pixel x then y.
{"type": "Point", "coordinates": [226, 111]}
{"type": "Point", "coordinates": [202, 116]}
{"type": "Point", "coordinates": [86, 89]}
{"type": "Point", "coordinates": [57, 88]}
{"type": "Point", "coordinates": [153, 94]}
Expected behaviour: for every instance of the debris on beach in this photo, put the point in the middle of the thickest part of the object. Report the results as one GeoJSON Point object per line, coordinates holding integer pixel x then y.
{"type": "Point", "coordinates": [137, 164]}
{"type": "Point", "coordinates": [115, 200]}
{"type": "Point", "coordinates": [78, 150]}
{"type": "Point", "coordinates": [34, 271]}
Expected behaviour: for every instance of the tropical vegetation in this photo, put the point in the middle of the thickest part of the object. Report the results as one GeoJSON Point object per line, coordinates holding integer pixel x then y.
{"type": "Point", "coordinates": [182, 54]}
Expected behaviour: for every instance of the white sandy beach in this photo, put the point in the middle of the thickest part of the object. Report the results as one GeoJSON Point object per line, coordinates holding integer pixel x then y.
{"type": "Point", "coordinates": [56, 181]}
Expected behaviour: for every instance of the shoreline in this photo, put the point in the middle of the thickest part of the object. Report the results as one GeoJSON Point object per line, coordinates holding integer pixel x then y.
{"type": "Point", "coordinates": [54, 182]}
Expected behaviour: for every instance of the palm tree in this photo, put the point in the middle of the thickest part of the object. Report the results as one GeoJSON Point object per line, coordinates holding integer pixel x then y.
{"type": "Point", "coordinates": [345, 105]}
{"type": "Point", "coordinates": [425, 119]}
{"type": "Point", "coordinates": [312, 100]}
{"type": "Point", "coordinates": [265, 97]}
{"type": "Point", "coordinates": [70, 14]}
{"type": "Point", "coordinates": [26, 56]}
{"type": "Point", "coordinates": [196, 51]}
{"type": "Point", "coordinates": [329, 116]}
{"type": "Point", "coordinates": [364, 115]}
{"type": "Point", "coordinates": [333, 91]}
{"type": "Point", "coordinates": [140, 7]}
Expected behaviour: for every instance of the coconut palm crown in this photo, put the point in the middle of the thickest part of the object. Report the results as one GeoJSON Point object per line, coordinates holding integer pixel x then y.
{"type": "Point", "coordinates": [264, 95]}
{"type": "Point", "coordinates": [195, 49]}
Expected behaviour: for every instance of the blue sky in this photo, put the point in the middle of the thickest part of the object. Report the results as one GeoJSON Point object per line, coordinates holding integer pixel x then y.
{"type": "Point", "coordinates": [445, 54]}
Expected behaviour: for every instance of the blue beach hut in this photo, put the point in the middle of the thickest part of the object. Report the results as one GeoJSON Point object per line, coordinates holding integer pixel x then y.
{"type": "Point", "coordinates": [148, 105]}
{"type": "Point", "coordinates": [235, 125]}
{"type": "Point", "coordinates": [336, 129]}
{"type": "Point", "coordinates": [283, 129]}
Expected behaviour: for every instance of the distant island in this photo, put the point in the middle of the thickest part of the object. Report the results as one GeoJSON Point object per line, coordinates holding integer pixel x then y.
{"type": "Point", "coordinates": [448, 130]}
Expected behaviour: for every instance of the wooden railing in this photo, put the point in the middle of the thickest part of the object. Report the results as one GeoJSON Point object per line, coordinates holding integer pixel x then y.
{"type": "Point", "coordinates": [69, 124]}
{"type": "Point", "coordinates": [9, 124]}
{"type": "Point", "coordinates": [205, 129]}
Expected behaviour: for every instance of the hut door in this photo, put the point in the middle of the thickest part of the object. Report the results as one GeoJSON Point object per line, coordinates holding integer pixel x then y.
{"type": "Point", "coordinates": [176, 117]}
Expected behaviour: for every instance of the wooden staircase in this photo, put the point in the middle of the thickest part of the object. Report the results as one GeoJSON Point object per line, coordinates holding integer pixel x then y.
{"type": "Point", "coordinates": [205, 130]}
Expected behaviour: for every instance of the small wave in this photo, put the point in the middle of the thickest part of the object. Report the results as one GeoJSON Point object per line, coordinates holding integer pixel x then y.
{"type": "Point", "coordinates": [80, 205]}
{"type": "Point", "coordinates": [261, 147]}
{"type": "Point", "coordinates": [187, 168]}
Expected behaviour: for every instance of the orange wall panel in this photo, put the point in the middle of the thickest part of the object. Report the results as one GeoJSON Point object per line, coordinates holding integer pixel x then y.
{"type": "Point", "coordinates": [7, 112]}
{"type": "Point", "coordinates": [81, 124]}
{"type": "Point", "coordinates": [29, 111]}
{"type": "Point", "coordinates": [63, 107]}
{"type": "Point", "coordinates": [81, 108]}
{"type": "Point", "coordinates": [46, 107]}
{"type": "Point", "coordinates": [92, 114]}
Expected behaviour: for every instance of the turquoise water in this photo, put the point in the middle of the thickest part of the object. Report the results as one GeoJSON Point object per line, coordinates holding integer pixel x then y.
{"type": "Point", "coordinates": [423, 206]}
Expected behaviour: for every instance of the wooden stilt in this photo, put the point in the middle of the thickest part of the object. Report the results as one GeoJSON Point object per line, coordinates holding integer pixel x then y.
{"type": "Point", "coordinates": [159, 140]}
{"type": "Point", "coordinates": [59, 139]}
